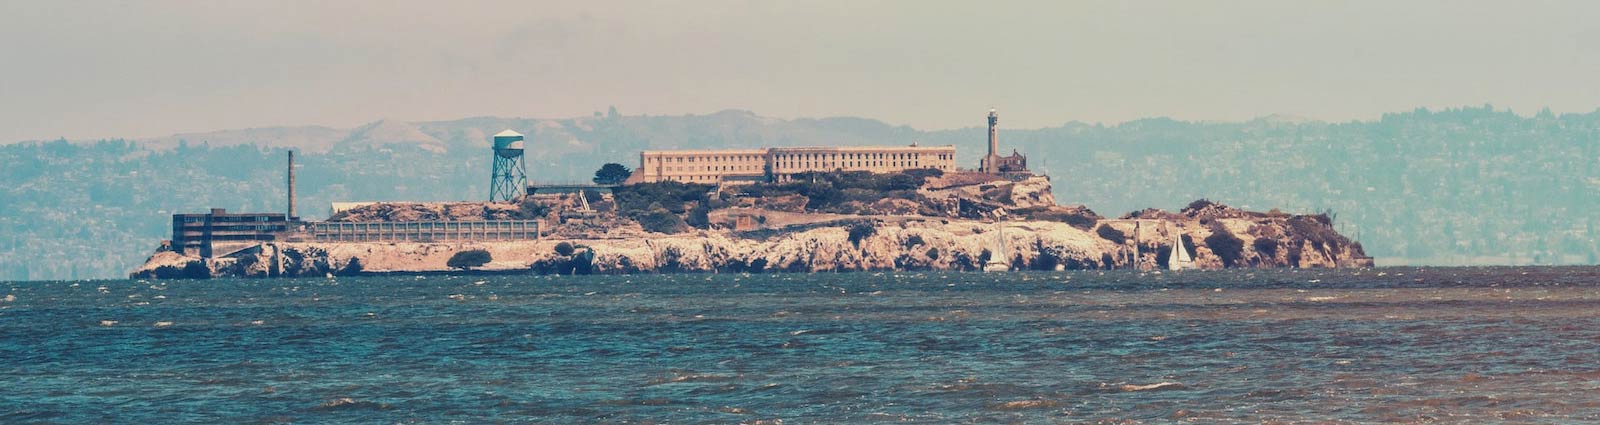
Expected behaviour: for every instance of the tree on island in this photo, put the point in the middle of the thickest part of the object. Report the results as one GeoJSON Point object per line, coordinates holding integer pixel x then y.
{"type": "Point", "coordinates": [468, 259]}
{"type": "Point", "coordinates": [612, 173]}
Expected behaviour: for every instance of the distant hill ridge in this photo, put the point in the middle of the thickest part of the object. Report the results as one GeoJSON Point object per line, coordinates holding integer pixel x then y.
{"type": "Point", "coordinates": [668, 132]}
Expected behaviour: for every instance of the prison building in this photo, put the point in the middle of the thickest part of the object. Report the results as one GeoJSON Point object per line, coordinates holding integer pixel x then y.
{"type": "Point", "coordinates": [220, 232]}
{"type": "Point", "coordinates": [783, 164]}
{"type": "Point", "coordinates": [425, 231]}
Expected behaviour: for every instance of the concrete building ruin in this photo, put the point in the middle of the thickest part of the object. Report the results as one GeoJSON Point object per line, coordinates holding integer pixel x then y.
{"type": "Point", "coordinates": [783, 164]}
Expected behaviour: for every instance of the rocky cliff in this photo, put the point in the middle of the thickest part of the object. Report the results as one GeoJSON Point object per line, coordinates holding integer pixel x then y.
{"type": "Point", "coordinates": [954, 222]}
{"type": "Point", "coordinates": [887, 243]}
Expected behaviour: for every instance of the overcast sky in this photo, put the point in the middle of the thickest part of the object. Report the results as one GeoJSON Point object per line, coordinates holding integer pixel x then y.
{"type": "Point", "coordinates": [90, 69]}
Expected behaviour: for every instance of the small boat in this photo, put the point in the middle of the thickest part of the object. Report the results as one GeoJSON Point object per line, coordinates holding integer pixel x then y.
{"type": "Point", "coordinates": [997, 259]}
{"type": "Point", "coordinates": [1180, 258]}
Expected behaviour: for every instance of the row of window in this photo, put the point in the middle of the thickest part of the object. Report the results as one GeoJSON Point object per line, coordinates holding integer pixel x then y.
{"type": "Point", "coordinates": [751, 168]}
{"type": "Point", "coordinates": [800, 156]}
{"type": "Point", "coordinates": [848, 165]}
{"type": "Point", "coordinates": [424, 226]}
{"type": "Point", "coordinates": [427, 231]}
{"type": "Point", "coordinates": [690, 159]}
{"type": "Point", "coordinates": [214, 219]}
{"type": "Point", "coordinates": [848, 156]}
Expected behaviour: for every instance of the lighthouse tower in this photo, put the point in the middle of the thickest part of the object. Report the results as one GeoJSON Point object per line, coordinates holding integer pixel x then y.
{"type": "Point", "coordinates": [991, 162]}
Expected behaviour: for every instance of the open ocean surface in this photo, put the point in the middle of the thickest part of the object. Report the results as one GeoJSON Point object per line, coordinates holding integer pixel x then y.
{"type": "Point", "coordinates": [1393, 344]}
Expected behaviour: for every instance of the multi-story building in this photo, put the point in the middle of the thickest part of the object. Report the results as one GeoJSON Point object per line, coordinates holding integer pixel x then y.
{"type": "Point", "coordinates": [783, 164]}
{"type": "Point", "coordinates": [205, 234]}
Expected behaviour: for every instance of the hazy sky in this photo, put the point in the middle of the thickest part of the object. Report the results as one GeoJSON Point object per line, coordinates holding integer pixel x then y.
{"type": "Point", "coordinates": [88, 69]}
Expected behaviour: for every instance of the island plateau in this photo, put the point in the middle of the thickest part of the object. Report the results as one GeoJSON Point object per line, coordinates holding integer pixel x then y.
{"type": "Point", "coordinates": [783, 209]}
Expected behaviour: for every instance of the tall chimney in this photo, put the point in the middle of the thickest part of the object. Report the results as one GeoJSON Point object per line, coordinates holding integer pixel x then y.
{"type": "Point", "coordinates": [292, 215]}
{"type": "Point", "coordinates": [991, 162]}
{"type": "Point", "coordinates": [994, 141]}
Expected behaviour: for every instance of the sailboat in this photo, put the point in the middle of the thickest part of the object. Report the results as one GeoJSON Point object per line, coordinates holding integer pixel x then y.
{"type": "Point", "coordinates": [1180, 258]}
{"type": "Point", "coordinates": [997, 259]}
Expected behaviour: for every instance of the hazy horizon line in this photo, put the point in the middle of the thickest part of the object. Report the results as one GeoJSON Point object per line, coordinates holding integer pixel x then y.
{"type": "Point", "coordinates": [978, 122]}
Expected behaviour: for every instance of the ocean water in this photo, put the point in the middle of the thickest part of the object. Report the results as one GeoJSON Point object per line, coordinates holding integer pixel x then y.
{"type": "Point", "coordinates": [1394, 344]}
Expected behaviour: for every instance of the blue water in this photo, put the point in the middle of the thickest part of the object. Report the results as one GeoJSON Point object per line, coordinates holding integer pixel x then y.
{"type": "Point", "coordinates": [1494, 344]}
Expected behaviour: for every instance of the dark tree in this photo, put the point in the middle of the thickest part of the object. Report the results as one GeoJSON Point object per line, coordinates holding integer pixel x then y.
{"type": "Point", "coordinates": [1266, 246]}
{"type": "Point", "coordinates": [352, 268]}
{"type": "Point", "coordinates": [1111, 234]}
{"type": "Point", "coordinates": [468, 259]}
{"type": "Point", "coordinates": [611, 173]}
{"type": "Point", "coordinates": [699, 216]}
{"type": "Point", "coordinates": [662, 221]}
{"type": "Point", "coordinates": [1227, 246]}
{"type": "Point", "coordinates": [196, 270]}
{"type": "Point", "coordinates": [565, 249]}
{"type": "Point", "coordinates": [861, 231]}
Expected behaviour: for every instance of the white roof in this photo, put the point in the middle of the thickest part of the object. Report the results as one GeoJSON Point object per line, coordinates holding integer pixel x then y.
{"type": "Point", "coordinates": [508, 133]}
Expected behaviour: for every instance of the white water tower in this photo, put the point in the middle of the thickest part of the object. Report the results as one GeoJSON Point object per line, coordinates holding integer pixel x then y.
{"type": "Point", "coordinates": [508, 180]}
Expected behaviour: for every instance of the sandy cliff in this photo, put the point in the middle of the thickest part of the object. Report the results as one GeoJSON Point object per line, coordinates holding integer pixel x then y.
{"type": "Point", "coordinates": [900, 244]}
{"type": "Point", "coordinates": [952, 222]}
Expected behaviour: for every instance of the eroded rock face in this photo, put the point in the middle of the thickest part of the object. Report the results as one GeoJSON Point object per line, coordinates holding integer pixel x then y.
{"type": "Point", "coordinates": [1034, 192]}
{"type": "Point", "coordinates": [898, 243]}
{"type": "Point", "coordinates": [954, 227]}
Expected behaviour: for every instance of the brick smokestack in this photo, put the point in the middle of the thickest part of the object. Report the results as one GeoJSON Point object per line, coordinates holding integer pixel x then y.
{"type": "Point", "coordinates": [991, 162]}
{"type": "Point", "coordinates": [994, 140]}
{"type": "Point", "coordinates": [292, 215]}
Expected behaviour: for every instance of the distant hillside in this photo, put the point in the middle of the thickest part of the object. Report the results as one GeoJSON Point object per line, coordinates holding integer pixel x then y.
{"type": "Point", "coordinates": [1461, 186]}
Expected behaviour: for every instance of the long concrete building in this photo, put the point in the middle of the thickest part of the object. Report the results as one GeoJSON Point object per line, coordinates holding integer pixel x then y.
{"type": "Point", "coordinates": [783, 164]}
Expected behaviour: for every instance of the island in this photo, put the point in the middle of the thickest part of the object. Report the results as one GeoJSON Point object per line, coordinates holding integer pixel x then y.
{"type": "Point", "coordinates": [780, 209]}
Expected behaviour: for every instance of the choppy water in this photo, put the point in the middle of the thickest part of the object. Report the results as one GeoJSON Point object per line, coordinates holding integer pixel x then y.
{"type": "Point", "coordinates": [1497, 344]}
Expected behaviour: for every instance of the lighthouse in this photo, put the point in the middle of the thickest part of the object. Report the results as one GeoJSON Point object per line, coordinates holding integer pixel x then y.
{"type": "Point", "coordinates": [991, 162]}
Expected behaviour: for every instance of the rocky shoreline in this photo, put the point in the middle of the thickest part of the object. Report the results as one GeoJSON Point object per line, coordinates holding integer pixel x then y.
{"type": "Point", "coordinates": [864, 222]}
{"type": "Point", "coordinates": [901, 244]}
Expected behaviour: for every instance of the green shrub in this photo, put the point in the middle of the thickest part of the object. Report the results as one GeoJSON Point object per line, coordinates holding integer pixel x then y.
{"type": "Point", "coordinates": [1316, 228]}
{"type": "Point", "coordinates": [1266, 246]}
{"type": "Point", "coordinates": [196, 270]}
{"type": "Point", "coordinates": [1111, 234]}
{"type": "Point", "coordinates": [1227, 246]}
{"type": "Point", "coordinates": [923, 174]}
{"type": "Point", "coordinates": [639, 198]}
{"type": "Point", "coordinates": [352, 268]}
{"type": "Point", "coordinates": [1198, 204]}
{"type": "Point", "coordinates": [662, 221]}
{"type": "Point", "coordinates": [611, 173]}
{"type": "Point", "coordinates": [564, 249]}
{"type": "Point", "coordinates": [912, 241]}
{"type": "Point", "coordinates": [1078, 220]}
{"type": "Point", "coordinates": [860, 231]}
{"type": "Point", "coordinates": [699, 216]}
{"type": "Point", "coordinates": [469, 259]}
{"type": "Point", "coordinates": [530, 209]}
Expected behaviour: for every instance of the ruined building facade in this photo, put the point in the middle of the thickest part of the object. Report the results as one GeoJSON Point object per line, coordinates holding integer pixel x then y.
{"type": "Point", "coordinates": [783, 164]}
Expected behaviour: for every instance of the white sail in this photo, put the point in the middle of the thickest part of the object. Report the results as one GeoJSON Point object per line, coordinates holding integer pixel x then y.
{"type": "Point", "coordinates": [1180, 259]}
{"type": "Point", "coordinates": [997, 259]}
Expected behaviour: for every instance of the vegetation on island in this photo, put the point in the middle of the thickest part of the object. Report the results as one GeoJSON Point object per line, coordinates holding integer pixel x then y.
{"type": "Point", "coordinates": [611, 173]}
{"type": "Point", "coordinates": [469, 259]}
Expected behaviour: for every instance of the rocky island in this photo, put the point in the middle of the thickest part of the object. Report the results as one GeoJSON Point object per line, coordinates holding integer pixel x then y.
{"type": "Point", "coordinates": [788, 209]}
{"type": "Point", "coordinates": [840, 221]}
